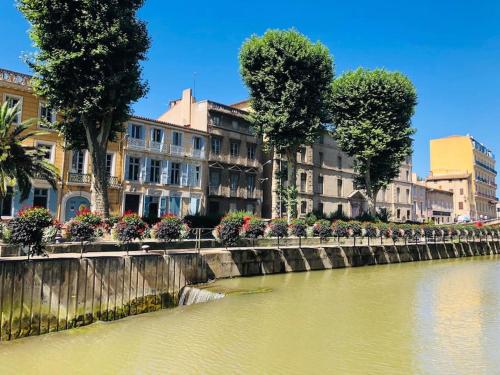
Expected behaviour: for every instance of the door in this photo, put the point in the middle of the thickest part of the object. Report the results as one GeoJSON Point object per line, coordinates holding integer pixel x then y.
{"type": "Point", "coordinates": [75, 204]}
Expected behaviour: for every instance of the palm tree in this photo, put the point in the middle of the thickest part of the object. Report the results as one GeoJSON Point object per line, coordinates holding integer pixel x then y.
{"type": "Point", "coordinates": [19, 164]}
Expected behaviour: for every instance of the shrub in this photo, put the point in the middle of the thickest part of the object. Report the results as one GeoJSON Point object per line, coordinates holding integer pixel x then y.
{"type": "Point", "coordinates": [383, 215]}
{"type": "Point", "coordinates": [338, 215]}
{"type": "Point", "coordinates": [254, 227]}
{"type": "Point", "coordinates": [340, 228]}
{"type": "Point", "coordinates": [278, 228]}
{"type": "Point", "coordinates": [89, 217]}
{"type": "Point", "coordinates": [366, 216]}
{"type": "Point", "coordinates": [129, 228]}
{"type": "Point", "coordinates": [406, 230]}
{"type": "Point", "coordinates": [27, 228]}
{"type": "Point", "coordinates": [311, 218]}
{"type": "Point", "coordinates": [395, 231]}
{"type": "Point", "coordinates": [370, 230]}
{"type": "Point", "coordinates": [80, 231]}
{"type": "Point", "coordinates": [428, 230]}
{"type": "Point", "coordinates": [355, 228]}
{"type": "Point", "coordinates": [298, 228]}
{"type": "Point", "coordinates": [228, 231]}
{"type": "Point", "coordinates": [322, 229]}
{"type": "Point", "coordinates": [168, 228]}
{"type": "Point", "coordinates": [384, 230]}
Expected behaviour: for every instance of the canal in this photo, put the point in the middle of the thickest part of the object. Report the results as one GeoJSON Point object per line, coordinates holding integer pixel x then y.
{"type": "Point", "coordinates": [436, 317]}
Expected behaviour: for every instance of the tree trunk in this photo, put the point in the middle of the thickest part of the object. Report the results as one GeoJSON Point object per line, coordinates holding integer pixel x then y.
{"type": "Point", "coordinates": [97, 139]}
{"type": "Point", "coordinates": [292, 183]}
{"type": "Point", "coordinates": [369, 190]}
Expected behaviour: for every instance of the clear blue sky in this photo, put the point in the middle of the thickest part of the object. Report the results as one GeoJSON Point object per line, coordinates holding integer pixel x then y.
{"type": "Point", "coordinates": [449, 49]}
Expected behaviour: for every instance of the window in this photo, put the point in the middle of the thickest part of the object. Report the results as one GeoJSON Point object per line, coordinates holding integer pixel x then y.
{"type": "Point", "coordinates": [175, 173]}
{"type": "Point", "coordinates": [407, 176]}
{"type": "Point", "coordinates": [6, 203]}
{"type": "Point", "coordinates": [303, 155]}
{"type": "Point", "coordinates": [134, 165]}
{"type": "Point", "coordinates": [233, 206]}
{"type": "Point", "coordinates": [320, 159]}
{"type": "Point", "coordinates": [216, 122]}
{"type": "Point", "coordinates": [250, 208]}
{"type": "Point", "coordinates": [154, 171]}
{"type": "Point", "coordinates": [197, 143]}
{"type": "Point", "coordinates": [46, 114]}
{"type": "Point", "coordinates": [196, 176]}
{"type": "Point", "coordinates": [215, 177]}
{"type": "Point", "coordinates": [40, 197]}
{"type": "Point", "coordinates": [250, 183]}
{"type": "Point", "coordinates": [340, 209]}
{"type": "Point", "coordinates": [303, 207]}
{"type": "Point", "coordinates": [109, 164]}
{"type": "Point", "coordinates": [12, 101]}
{"type": "Point", "coordinates": [408, 196]}
{"type": "Point", "coordinates": [460, 205]}
{"type": "Point", "coordinates": [234, 179]}
{"type": "Point", "coordinates": [251, 148]}
{"type": "Point", "coordinates": [339, 162]}
{"type": "Point", "coordinates": [462, 191]}
{"type": "Point", "coordinates": [235, 148]}
{"type": "Point", "coordinates": [78, 162]}
{"type": "Point", "coordinates": [339, 187]}
{"type": "Point", "coordinates": [303, 182]}
{"type": "Point", "coordinates": [174, 205]}
{"type": "Point", "coordinates": [235, 124]}
{"type": "Point", "coordinates": [321, 208]}
{"type": "Point", "coordinates": [398, 195]}
{"type": "Point", "coordinates": [136, 131]}
{"type": "Point", "coordinates": [132, 203]}
{"type": "Point", "coordinates": [213, 207]}
{"type": "Point", "coordinates": [320, 184]}
{"type": "Point", "coordinates": [407, 214]}
{"type": "Point", "coordinates": [398, 214]}
{"type": "Point", "coordinates": [156, 135]}
{"type": "Point", "coordinates": [216, 145]}
{"type": "Point", "coordinates": [177, 139]}
{"type": "Point", "coordinates": [47, 149]}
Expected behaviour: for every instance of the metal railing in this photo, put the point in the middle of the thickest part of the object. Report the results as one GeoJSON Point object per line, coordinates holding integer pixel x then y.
{"type": "Point", "coordinates": [176, 150]}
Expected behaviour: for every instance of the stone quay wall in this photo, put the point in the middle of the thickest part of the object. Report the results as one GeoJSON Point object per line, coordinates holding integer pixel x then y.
{"type": "Point", "coordinates": [44, 295]}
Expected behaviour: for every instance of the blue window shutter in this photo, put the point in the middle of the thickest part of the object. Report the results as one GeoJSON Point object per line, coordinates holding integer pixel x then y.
{"type": "Point", "coordinates": [129, 130]}
{"type": "Point", "coordinates": [163, 206]}
{"type": "Point", "coordinates": [184, 174]}
{"type": "Point", "coordinates": [148, 170]}
{"type": "Point", "coordinates": [164, 171]}
{"type": "Point", "coordinates": [190, 174]}
{"type": "Point", "coordinates": [127, 163]}
{"type": "Point", "coordinates": [52, 201]}
{"type": "Point", "coordinates": [143, 169]}
{"type": "Point", "coordinates": [202, 143]}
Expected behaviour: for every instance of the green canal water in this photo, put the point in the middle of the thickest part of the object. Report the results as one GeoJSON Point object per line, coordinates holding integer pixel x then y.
{"type": "Point", "coordinates": [439, 317]}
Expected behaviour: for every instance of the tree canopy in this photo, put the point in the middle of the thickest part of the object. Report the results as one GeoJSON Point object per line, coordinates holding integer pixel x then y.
{"type": "Point", "coordinates": [87, 67]}
{"type": "Point", "coordinates": [371, 113]}
{"type": "Point", "coordinates": [289, 80]}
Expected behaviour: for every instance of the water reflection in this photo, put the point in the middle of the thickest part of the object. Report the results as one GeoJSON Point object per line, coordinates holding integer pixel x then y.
{"type": "Point", "coordinates": [439, 317]}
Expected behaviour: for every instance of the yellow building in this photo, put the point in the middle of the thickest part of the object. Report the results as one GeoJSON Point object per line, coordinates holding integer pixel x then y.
{"type": "Point", "coordinates": [154, 168]}
{"type": "Point", "coordinates": [466, 167]}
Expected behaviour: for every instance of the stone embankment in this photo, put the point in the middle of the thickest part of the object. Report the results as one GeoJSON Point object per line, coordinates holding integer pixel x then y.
{"type": "Point", "coordinates": [44, 295]}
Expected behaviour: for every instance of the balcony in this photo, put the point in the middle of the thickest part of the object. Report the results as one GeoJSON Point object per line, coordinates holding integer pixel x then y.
{"type": "Point", "coordinates": [176, 150]}
{"type": "Point", "coordinates": [85, 178]}
{"type": "Point", "coordinates": [233, 192]}
{"type": "Point", "coordinates": [136, 143]}
{"type": "Point", "coordinates": [197, 153]}
{"type": "Point", "coordinates": [157, 146]}
{"type": "Point", "coordinates": [252, 194]}
{"type": "Point", "coordinates": [212, 156]}
{"type": "Point", "coordinates": [215, 190]}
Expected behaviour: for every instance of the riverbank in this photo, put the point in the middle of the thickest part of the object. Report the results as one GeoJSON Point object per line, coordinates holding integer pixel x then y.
{"type": "Point", "coordinates": [62, 291]}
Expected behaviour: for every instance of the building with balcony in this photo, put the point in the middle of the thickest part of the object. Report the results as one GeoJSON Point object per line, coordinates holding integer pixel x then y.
{"type": "Point", "coordinates": [457, 156]}
{"type": "Point", "coordinates": [233, 154]}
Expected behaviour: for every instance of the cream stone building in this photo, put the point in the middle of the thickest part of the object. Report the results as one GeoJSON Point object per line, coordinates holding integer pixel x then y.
{"type": "Point", "coordinates": [234, 154]}
{"type": "Point", "coordinates": [431, 203]}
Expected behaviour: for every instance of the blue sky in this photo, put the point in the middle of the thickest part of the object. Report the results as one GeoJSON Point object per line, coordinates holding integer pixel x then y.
{"type": "Point", "coordinates": [449, 49]}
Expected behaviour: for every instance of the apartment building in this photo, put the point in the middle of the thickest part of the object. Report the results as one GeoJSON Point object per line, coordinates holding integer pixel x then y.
{"type": "Point", "coordinates": [326, 184]}
{"type": "Point", "coordinates": [465, 156]}
{"type": "Point", "coordinates": [154, 167]}
{"type": "Point", "coordinates": [234, 155]}
{"type": "Point", "coordinates": [430, 203]}
{"type": "Point", "coordinates": [461, 185]}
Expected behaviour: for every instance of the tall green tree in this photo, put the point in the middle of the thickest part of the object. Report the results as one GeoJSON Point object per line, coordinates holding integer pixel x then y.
{"type": "Point", "coordinates": [88, 68]}
{"type": "Point", "coordinates": [289, 80]}
{"type": "Point", "coordinates": [371, 113]}
{"type": "Point", "coordinates": [19, 163]}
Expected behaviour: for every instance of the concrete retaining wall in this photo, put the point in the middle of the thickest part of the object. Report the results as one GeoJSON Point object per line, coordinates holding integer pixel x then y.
{"type": "Point", "coordinates": [52, 294]}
